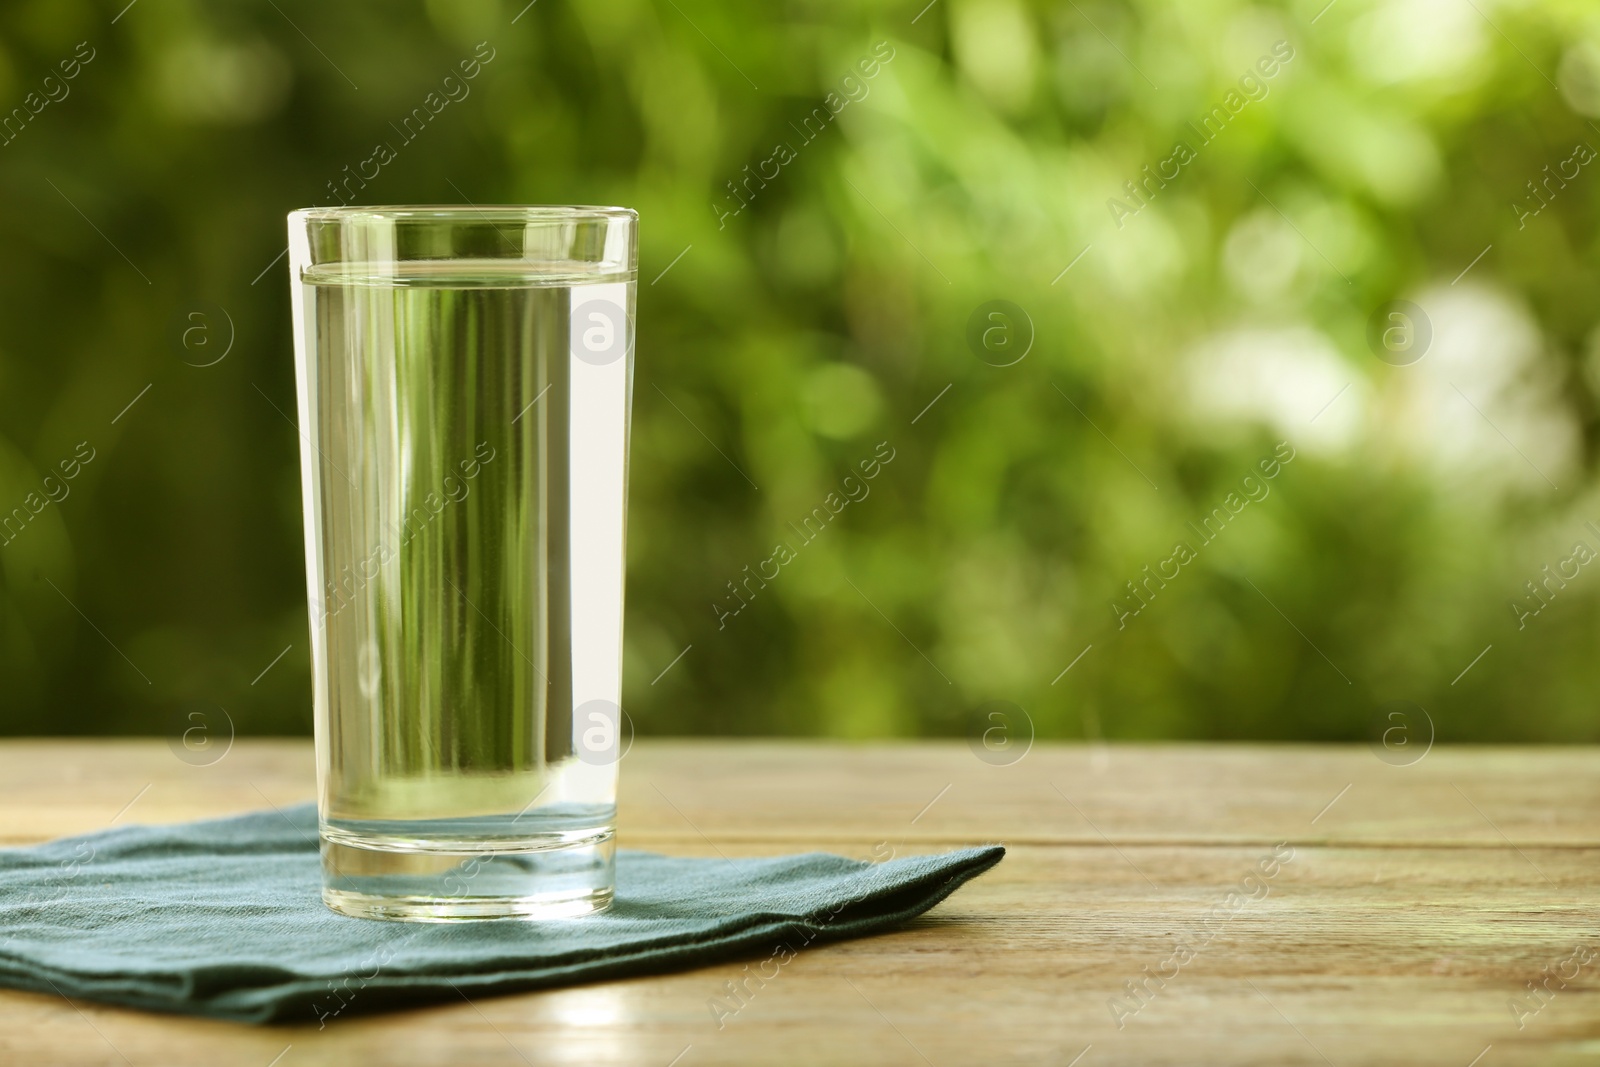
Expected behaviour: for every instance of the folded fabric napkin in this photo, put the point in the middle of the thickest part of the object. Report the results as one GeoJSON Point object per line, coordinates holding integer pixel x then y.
{"type": "Point", "coordinates": [225, 918]}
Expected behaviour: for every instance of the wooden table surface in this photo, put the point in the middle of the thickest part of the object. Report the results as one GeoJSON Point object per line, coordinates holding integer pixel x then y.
{"type": "Point", "coordinates": [1280, 905]}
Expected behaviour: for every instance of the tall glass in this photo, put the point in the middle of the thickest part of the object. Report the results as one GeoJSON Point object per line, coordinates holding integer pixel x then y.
{"type": "Point", "coordinates": [465, 383]}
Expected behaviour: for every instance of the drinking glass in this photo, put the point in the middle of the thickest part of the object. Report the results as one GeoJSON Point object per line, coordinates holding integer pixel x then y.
{"type": "Point", "coordinates": [465, 381]}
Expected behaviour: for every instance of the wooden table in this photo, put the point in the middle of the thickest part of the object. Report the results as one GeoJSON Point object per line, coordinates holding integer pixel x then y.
{"type": "Point", "coordinates": [1333, 909]}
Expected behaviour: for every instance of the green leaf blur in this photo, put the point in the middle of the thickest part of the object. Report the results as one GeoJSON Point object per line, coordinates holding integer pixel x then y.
{"type": "Point", "coordinates": [831, 196]}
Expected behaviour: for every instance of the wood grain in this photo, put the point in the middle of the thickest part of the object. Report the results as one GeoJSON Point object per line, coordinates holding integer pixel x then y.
{"type": "Point", "coordinates": [1405, 911]}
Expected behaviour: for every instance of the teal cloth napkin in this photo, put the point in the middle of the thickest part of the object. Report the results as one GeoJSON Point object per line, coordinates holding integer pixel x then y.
{"type": "Point", "coordinates": [225, 918]}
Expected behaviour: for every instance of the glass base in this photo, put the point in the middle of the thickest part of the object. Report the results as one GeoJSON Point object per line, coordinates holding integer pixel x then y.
{"type": "Point", "coordinates": [411, 878]}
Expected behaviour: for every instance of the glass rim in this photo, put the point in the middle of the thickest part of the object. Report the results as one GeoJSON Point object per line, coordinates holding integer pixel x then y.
{"type": "Point", "coordinates": [462, 212]}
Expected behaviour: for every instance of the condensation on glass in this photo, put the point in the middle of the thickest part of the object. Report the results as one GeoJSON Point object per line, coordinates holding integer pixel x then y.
{"type": "Point", "coordinates": [465, 383]}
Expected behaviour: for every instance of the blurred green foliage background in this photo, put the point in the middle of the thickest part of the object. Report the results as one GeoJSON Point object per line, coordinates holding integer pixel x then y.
{"type": "Point", "coordinates": [1177, 338]}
